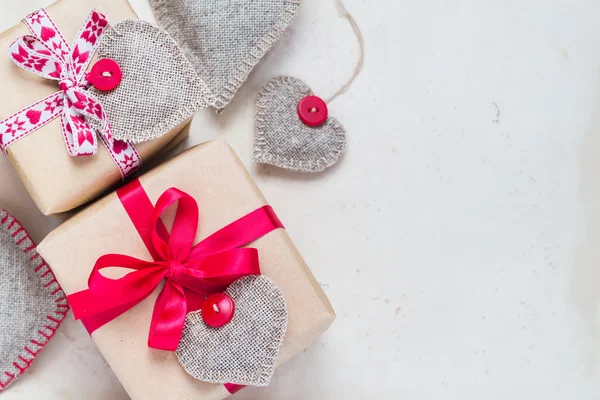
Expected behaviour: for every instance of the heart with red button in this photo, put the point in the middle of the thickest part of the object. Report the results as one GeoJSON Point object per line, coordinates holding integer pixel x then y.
{"type": "Point", "coordinates": [236, 335]}
{"type": "Point", "coordinates": [294, 129]}
{"type": "Point", "coordinates": [144, 82]}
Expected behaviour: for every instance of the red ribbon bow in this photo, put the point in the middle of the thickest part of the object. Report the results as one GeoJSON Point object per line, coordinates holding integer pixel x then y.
{"type": "Point", "coordinates": [191, 272]}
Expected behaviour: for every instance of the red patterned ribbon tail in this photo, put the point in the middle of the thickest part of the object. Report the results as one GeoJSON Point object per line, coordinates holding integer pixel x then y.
{"type": "Point", "coordinates": [22, 123]}
{"type": "Point", "coordinates": [86, 115]}
{"type": "Point", "coordinates": [85, 44]}
{"type": "Point", "coordinates": [43, 27]}
{"type": "Point", "coordinates": [80, 136]}
{"type": "Point", "coordinates": [33, 55]}
{"type": "Point", "coordinates": [123, 154]}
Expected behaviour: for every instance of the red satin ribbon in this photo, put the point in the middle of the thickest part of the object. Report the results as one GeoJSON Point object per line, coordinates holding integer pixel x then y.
{"type": "Point", "coordinates": [191, 272]}
{"type": "Point", "coordinates": [233, 388]}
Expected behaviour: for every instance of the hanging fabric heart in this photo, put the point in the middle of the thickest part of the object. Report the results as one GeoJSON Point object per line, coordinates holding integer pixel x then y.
{"type": "Point", "coordinates": [293, 126]}
{"type": "Point", "coordinates": [32, 304]}
{"type": "Point", "coordinates": [225, 39]}
{"type": "Point", "coordinates": [159, 88]}
{"type": "Point", "coordinates": [243, 351]}
{"type": "Point", "coordinates": [284, 140]}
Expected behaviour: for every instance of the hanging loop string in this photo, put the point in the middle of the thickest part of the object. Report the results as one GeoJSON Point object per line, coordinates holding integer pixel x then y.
{"type": "Point", "coordinates": [361, 59]}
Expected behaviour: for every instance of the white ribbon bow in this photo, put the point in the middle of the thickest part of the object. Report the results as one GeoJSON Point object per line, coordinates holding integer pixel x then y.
{"type": "Point", "coordinates": [47, 54]}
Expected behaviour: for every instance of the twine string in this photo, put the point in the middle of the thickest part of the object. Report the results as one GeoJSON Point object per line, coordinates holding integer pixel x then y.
{"type": "Point", "coordinates": [361, 60]}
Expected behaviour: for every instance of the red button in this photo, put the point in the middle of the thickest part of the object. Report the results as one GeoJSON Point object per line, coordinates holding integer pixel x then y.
{"type": "Point", "coordinates": [312, 111]}
{"type": "Point", "coordinates": [106, 74]}
{"type": "Point", "coordinates": [218, 310]}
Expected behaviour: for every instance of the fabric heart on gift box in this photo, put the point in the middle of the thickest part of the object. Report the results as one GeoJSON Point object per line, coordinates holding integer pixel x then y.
{"type": "Point", "coordinates": [283, 140]}
{"type": "Point", "coordinates": [32, 304]}
{"type": "Point", "coordinates": [159, 87]}
{"type": "Point", "coordinates": [243, 351]}
{"type": "Point", "coordinates": [225, 39]}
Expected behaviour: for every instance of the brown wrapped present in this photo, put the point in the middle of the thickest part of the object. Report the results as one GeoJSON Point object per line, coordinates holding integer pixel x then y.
{"type": "Point", "coordinates": [213, 175]}
{"type": "Point", "coordinates": [56, 180]}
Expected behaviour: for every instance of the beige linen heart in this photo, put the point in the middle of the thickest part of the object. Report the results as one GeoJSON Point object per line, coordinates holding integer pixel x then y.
{"type": "Point", "coordinates": [283, 140]}
{"type": "Point", "coordinates": [159, 89]}
{"type": "Point", "coordinates": [225, 39]}
{"type": "Point", "coordinates": [245, 350]}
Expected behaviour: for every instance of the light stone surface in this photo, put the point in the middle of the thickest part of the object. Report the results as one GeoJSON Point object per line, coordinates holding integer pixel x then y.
{"type": "Point", "coordinates": [458, 238]}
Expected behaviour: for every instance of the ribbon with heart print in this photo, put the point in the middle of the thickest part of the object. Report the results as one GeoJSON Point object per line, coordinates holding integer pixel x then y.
{"type": "Point", "coordinates": [46, 53]}
{"type": "Point", "coordinates": [191, 272]}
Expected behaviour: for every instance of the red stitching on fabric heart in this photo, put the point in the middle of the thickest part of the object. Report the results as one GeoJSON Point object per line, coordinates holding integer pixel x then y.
{"type": "Point", "coordinates": [52, 322]}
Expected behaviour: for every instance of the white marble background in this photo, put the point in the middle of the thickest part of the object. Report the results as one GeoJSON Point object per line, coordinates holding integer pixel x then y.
{"type": "Point", "coordinates": [458, 239]}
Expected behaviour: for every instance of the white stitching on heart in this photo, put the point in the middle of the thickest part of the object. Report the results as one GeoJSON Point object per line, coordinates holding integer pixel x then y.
{"type": "Point", "coordinates": [163, 40]}
{"type": "Point", "coordinates": [261, 147]}
{"type": "Point", "coordinates": [254, 55]}
{"type": "Point", "coordinates": [232, 354]}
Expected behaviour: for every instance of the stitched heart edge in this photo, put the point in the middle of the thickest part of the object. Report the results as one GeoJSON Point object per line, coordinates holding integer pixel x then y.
{"type": "Point", "coordinates": [50, 323]}
{"type": "Point", "coordinates": [173, 51]}
{"type": "Point", "coordinates": [260, 153]}
{"type": "Point", "coordinates": [254, 55]}
{"type": "Point", "coordinates": [264, 375]}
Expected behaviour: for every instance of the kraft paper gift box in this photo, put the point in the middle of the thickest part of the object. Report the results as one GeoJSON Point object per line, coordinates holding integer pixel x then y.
{"type": "Point", "coordinates": [56, 181]}
{"type": "Point", "coordinates": [213, 175]}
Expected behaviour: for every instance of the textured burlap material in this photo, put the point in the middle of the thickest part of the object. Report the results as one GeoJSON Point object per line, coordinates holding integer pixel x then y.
{"type": "Point", "coordinates": [32, 305]}
{"type": "Point", "coordinates": [283, 140]}
{"type": "Point", "coordinates": [243, 351]}
{"type": "Point", "coordinates": [159, 89]}
{"type": "Point", "coordinates": [225, 39]}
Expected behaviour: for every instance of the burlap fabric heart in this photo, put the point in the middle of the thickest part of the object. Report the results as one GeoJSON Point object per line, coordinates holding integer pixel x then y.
{"type": "Point", "coordinates": [225, 39]}
{"type": "Point", "coordinates": [283, 140]}
{"type": "Point", "coordinates": [244, 351]}
{"type": "Point", "coordinates": [32, 304]}
{"type": "Point", "coordinates": [159, 88]}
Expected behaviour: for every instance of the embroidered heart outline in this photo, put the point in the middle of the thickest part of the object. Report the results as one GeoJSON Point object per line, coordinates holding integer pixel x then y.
{"type": "Point", "coordinates": [138, 111]}
{"type": "Point", "coordinates": [245, 350]}
{"type": "Point", "coordinates": [35, 328]}
{"type": "Point", "coordinates": [278, 126]}
{"type": "Point", "coordinates": [244, 66]}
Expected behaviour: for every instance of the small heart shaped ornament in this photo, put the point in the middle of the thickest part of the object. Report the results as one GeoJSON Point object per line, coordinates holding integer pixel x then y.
{"type": "Point", "coordinates": [225, 39]}
{"type": "Point", "coordinates": [283, 140]}
{"type": "Point", "coordinates": [243, 351]}
{"type": "Point", "coordinates": [32, 304]}
{"type": "Point", "coordinates": [159, 88]}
